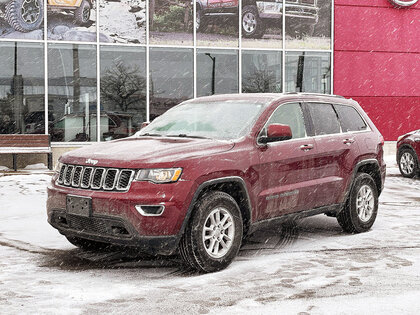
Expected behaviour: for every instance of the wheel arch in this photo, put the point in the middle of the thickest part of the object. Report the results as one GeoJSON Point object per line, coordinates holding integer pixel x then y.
{"type": "Point", "coordinates": [370, 167]}
{"type": "Point", "coordinates": [234, 186]}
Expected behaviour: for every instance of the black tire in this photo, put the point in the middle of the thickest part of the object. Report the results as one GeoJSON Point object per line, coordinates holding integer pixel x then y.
{"type": "Point", "coordinates": [198, 252]}
{"type": "Point", "coordinates": [201, 21]}
{"type": "Point", "coordinates": [82, 13]}
{"type": "Point", "coordinates": [24, 16]}
{"type": "Point", "coordinates": [251, 23]}
{"type": "Point", "coordinates": [87, 244]}
{"type": "Point", "coordinates": [349, 217]}
{"type": "Point", "coordinates": [408, 163]}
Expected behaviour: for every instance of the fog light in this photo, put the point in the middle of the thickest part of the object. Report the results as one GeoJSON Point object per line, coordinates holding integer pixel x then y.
{"type": "Point", "coordinates": [150, 211]}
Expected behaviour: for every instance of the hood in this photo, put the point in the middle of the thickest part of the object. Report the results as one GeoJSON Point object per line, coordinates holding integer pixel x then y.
{"type": "Point", "coordinates": [133, 152]}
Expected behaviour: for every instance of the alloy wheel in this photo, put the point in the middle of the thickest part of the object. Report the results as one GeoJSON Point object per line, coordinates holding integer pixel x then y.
{"type": "Point", "coordinates": [407, 163]}
{"type": "Point", "coordinates": [365, 203]}
{"type": "Point", "coordinates": [249, 22]}
{"type": "Point", "coordinates": [30, 11]}
{"type": "Point", "coordinates": [218, 232]}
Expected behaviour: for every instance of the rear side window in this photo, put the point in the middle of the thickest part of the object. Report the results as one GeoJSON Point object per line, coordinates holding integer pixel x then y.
{"type": "Point", "coordinates": [289, 114]}
{"type": "Point", "coordinates": [350, 119]}
{"type": "Point", "coordinates": [324, 119]}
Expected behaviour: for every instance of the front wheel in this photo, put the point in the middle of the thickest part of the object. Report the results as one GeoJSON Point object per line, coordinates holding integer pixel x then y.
{"type": "Point", "coordinates": [82, 13]}
{"type": "Point", "coordinates": [252, 25]}
{"type": "Point", "coordinates": [24, 15]}
{"type": "Point", "coordinates": [408, 163]}
{"type": "Point", "coordinates": [361, 207]}
{"type": "Point", "coordinates": [214, 235]}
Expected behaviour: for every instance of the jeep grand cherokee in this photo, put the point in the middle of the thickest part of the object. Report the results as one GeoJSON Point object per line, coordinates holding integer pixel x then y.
{"type": "Point", "coordinates": [212, 170]}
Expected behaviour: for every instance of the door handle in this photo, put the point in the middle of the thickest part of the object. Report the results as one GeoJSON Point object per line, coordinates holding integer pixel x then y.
{"type": "Point", "coordinates": [348, 141]}
{"type": "Point", "coordinates": [306, 147]}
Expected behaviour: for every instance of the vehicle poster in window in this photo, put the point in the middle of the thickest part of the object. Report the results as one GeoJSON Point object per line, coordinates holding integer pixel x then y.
{"type": "Point", "coordinates": [22, 19]}
{"type": "Point", "coordinates": [217, 23]}
{"type": "Point", "coordinates": [72, 20]}
{"type": "Point", "coordinates": [122, 21]}
{"type": "Point", "coordinates": [308, 24]}
{"type": "Point", "coordinates": [171, 22]}
{"type": "Point", "coordinates": [262, 24]}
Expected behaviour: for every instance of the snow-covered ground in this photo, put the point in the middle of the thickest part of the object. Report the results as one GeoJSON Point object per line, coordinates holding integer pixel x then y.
{"type": "Point", "coordinates": [310, 268]}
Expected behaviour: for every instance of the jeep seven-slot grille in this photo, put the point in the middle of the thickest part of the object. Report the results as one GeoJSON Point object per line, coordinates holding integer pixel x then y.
{"type": "Point", "coordinates": [97, 178]}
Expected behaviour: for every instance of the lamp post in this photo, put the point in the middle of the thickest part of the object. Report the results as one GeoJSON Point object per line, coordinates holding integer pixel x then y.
{"type": "Point", "coordinates": [212, 72]}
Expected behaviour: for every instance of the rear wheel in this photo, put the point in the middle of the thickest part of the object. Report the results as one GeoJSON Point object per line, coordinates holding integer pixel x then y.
{"type": "Point", "coordinates": [361, 208]}
{"type": "Point", "coordinates": [408, 163]}
{"type": "Point", "coordinates": [82, 13]}
{"type": "Point", "coordinates": [301, 31]}
{"type": "Point", "coordinates": [24, 15]}
{"type": "Point", "coordinates": [213, 238]}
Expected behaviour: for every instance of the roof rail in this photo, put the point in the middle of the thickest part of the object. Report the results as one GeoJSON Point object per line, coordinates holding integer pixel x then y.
{"type": "Point", "coordinates": [319, 94]}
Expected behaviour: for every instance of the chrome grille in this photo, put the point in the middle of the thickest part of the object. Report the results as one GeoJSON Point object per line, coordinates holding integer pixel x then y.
{"type": "Point", "coordinates": [68, 175]}
{"type": "Point", "coordinates": [97, 178]}
{"type": "Point", "coordinates": [76, 176]}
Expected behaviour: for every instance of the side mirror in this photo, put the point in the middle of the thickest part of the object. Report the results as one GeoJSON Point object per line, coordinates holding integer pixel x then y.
{"type": "Point", "coordinates": [277, 132]}
{"type": "Point", "coordinates": [144, 124]}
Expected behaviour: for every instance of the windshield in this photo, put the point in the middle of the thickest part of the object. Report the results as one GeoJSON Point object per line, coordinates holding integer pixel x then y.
{"type": "Point", "coordinates": [217, 120]}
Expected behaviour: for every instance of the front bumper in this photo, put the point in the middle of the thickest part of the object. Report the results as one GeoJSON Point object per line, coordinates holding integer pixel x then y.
{"type": "Point", "coordinates": [115, 220]}
{"type": "Point", "coordinates": [274, 10]}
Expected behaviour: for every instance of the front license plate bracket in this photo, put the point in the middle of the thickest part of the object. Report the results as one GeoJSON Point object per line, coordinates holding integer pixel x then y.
{"type": "Point", "coordinates": [81, 206]}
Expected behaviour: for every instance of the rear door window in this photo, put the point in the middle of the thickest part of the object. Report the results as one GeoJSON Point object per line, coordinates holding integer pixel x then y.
{"type": "Point", "coordinates": [350, 119]}
{"type": "Point", "coordinates": [324, 119]}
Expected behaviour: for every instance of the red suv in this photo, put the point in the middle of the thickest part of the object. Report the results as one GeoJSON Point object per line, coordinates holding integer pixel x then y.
{"type": "Point", "coordinates": [408, 153]}
{"type": "Point", "coordinates": [212, 170]}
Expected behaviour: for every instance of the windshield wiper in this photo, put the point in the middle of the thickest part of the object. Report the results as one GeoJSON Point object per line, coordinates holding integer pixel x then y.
{"type": "Point", "coordinates": [184, 135]}
{"type": "Point", "coordinates": [150, 135]}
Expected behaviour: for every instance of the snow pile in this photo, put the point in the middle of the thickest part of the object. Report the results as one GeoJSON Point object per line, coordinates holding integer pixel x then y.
{"type": "Point", "coordinates": [38, 166]}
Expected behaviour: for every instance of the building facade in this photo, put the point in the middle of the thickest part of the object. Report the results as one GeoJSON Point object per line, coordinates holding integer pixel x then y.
{"type": "Point", "coordinates": [84, 71]}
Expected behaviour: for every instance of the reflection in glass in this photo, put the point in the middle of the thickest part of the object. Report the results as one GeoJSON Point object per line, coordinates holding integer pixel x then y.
{"type": "Point", "coordinates": [308, 24]}
{"type": "Point", "coordinates": [262, 24]}
{"type": "Point", "coordinates": [22, 107]}
{"type": "Point", "coordinates": [72, 92]}
{"type": "Point", "coordinates": [72, 20]}
{"type": "Point", "coordinates": [217, 71]}
{"type": "Point", "coordinates": [122, 21]}
{"type": "Point", "coordinates": [217, 23]}
{"type": "Point", "coordinates": [171, 22]}
{"type": "Point", "coordinates": [171, 78]}
{"type": "Point", "coordinates": [308, 72]}
{"type": "Point", "coordinates": [123, 91]}
{"type": "Point", "coordinates": [261, 71]}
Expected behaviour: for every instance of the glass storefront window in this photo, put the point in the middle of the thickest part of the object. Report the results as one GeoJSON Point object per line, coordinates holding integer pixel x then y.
{"type": "Point", "coordinates": [22, 97]}
{"type": "Point", "coordinates": [22, 19]}
{"type": "Point", "coordinates": [308, 24]}
{"type": "Point", "coordinates": [72, 20]}
{"type": "Point", "coordinates": [171, 78]}
{"type": "Point", "coordinates": [72, 100]}
{"type": "Point", "coordinates": [217, 71]}
{"type": "Point", "coordinates": [261, 71]}
{"type": "Point", "coordinates": [123, 91]}
{"type": "Point", "coordinates": [308, 72]}
{"type": "Point", "coordinates": [122, 21]}
{"type": "Point", "coordinates": [262, 24]}
{"type": "Point", "coordinates": [217, 23]}
{"type": "Point", "coordinates": [171, 22]}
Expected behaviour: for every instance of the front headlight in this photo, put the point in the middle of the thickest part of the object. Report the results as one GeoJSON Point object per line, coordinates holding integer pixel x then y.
{"type": "Point", "coordinates": [159, 176]}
